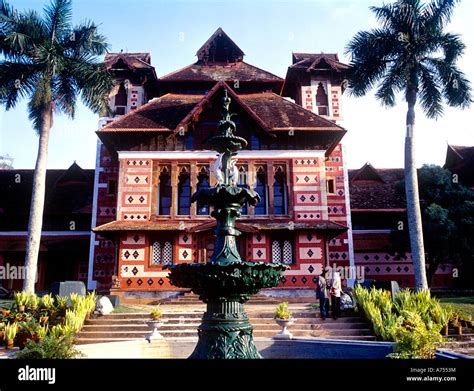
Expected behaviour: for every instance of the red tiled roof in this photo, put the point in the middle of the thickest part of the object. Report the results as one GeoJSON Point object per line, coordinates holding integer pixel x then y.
{"type": "Point", "coordinates": [159, 114]}
{"type": "Point", "coordinates": [221, 72]}
{"type": "Point", "coordinates": [134, 60]}
{"type": "Point", "coordinates": [269, 110]}
{"type": "Point", "coordinates": [280, 114]}
{"type": "Point", "coordinates": [311, 61]}
{"type": "Point", "coordinates": [118, 226]}
{"type": "Point", "coordinates": [366, 194]}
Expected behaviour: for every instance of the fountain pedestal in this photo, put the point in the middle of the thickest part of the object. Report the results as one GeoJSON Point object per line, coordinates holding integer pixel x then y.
{"type": "Point", "coordinates": [226, 282]}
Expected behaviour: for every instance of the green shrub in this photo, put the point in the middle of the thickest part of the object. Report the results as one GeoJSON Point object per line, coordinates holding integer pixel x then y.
{"type": "Point", "coordinates": [413, 320]}
{"type": "Point", "coordinates": [156, 313]}
{"type": "Point", "coordinates": [414, 339]}
{"type": "Point", "coordinates": [48, 348]}
{"type": "Point", "coordinates": [282, 311]}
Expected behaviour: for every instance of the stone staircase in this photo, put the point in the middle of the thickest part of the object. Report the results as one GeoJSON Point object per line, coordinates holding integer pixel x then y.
{"type": "Point", "coordinates": [189, 298]}
{"type": "Point", "coordinates": [183, 324]}
{"type": "Point", "coordinates": [463, 344]}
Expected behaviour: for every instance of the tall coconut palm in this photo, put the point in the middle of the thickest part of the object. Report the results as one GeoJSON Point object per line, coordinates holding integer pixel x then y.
{"type": "Point", "coordinates": [49, 62]}
{"type": "Point", "coordinates": [411, 53]}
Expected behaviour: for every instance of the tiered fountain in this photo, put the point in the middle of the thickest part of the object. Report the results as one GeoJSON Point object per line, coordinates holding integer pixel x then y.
{"type": "Point", "coordinates": [226, 282]}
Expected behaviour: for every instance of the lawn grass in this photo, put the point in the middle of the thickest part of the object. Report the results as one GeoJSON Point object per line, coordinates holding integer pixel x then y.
{"type": "Point", "coordinates": [463, 304]}
{"type": "Point", "coordinates": [123, 309]}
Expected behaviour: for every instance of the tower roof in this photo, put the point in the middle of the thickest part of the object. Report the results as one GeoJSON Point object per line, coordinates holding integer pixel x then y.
{"type": "Point", "coordinates": [313, 61]}
{"type": "Point", "coordinates": [219, 48]}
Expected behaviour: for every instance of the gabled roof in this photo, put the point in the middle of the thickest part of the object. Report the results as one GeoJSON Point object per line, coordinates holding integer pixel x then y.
{"type": "Point", "coordinates": [74, 174]}
{"type": "Point", "coordinates": [173, 111]}
{"type": "Point", "coordinates": [463, 152]}
{"type": "Point", "coordinates": [159, 114]}
{"type": "Point", "coordinates": [240, 71]}
{"type": "Point", "coordinates": [219, 47]}
{"type": "Point", "coordinates": [367, 173]}
{"type": "Point", "coordinates": [460, 160]}
{"type": "Point", "coordinates": [279, 114]}
{"type": "Point", "coordinates": [132, 60]}
{"type": "Point", "coordinates": [382, 194]}
{"type": "Point", "coordinates": [313, 61]}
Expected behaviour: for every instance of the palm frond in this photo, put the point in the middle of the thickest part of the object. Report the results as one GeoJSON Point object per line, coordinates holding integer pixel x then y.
{"type": "Point", "coordinates": [450, 44]}
{"type": "Point", "coordinates": [17, 80]}
{"type": "Point", "coordinates": [94, 82]}
{"type": "Point", "coordinates": [85, 39]}
{"type": "Point", "coordinates": [372, 52]}
{"type": "Point", "coordinates": [431, 99]}
{"type": "Point", "coordinates": [58, 16]}
{"type": "Point", "coordinates": [65, 94]}
{"type": "Point", "coordinates": [399, 16]}
{"type": "Point", "coordinates": [19, 31]}
{"type": "Point", "coordinates": [456, 87]}
{"type": "Point", "coordinates": [437, 13]}
{"type": "Point", "coordinates": [393, 82]}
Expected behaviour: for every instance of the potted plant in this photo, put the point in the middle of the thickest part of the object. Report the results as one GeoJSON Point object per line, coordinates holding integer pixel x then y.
{"type": "Point", "coordinates": [26, 331]}
{"type": "Point", "coordinates": [10, 334]}
{"type": "Point", "coordinates": [21, 299]}
{"type": "Point", "coordinates": [32, 302]}
{"type": "Point", "coordinates": [155, 323]}
{"type": "Point", "coordinates": [44, 317]}
{"type": "Point", "coordinates": [284, 318]}
{"type": "Point", "coordinates": [41, 332]}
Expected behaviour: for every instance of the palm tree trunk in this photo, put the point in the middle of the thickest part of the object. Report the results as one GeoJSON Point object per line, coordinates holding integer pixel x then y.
{"type": "Point", "coordinates": [412, 197]}
{"type": "Point", "coordinates": [35, 223]}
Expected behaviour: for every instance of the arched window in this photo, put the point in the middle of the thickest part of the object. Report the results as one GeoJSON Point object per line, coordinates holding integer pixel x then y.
{"type": "Point", "coordinates": [243, 183]}
{"type": "Point", "coordinates": [184, 192]}
{"type": "Point", "coordinates": [282, 251]}
{"type": "Point", "coordinates": [322, 100]}
{"type": "Point", "coordinates": [280, 206]}
{"type": "Point", "coordinates": [261, 189]}
{"type": "Point", "coordinates": [203, 182]}
{"type": "Point", "coordinates": [162, 253]}
{"type": "Point", "coordinates": [121, 96]}
{"type": "Point", "coordinates": [164, 193]}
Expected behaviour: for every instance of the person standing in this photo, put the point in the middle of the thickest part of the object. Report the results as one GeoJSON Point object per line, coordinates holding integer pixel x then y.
{"type": "Point", "coordinates": [323, 295]}
{"type": "Point", "coordinates": [336, 290]}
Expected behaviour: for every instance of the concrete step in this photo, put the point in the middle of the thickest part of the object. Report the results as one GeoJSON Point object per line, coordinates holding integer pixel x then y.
{"type": "Point", "coordinates": [184, 324]}
{"type": "Point", "coordinates": [270, 325]}
{"type": "Point", "coordinates": [331, 333]}
{"type": "Point", "coordinates": [193, 333]}
{"type": "Point", "coordinates": [146, 315]}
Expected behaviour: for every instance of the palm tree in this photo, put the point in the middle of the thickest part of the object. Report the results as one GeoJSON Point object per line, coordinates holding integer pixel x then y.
{"type": "Point", "coordinates": [51, 63]}
{"type": "Point", "coordinates": [410, 53]}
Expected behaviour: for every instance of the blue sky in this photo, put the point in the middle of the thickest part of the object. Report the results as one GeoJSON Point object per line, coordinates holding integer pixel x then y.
{"type": "Point", "coordinates": [268, 32]}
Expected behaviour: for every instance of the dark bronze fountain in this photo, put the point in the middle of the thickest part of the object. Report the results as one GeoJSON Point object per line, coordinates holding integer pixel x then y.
{"type": "Point", "coordinates": [226, 282]}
